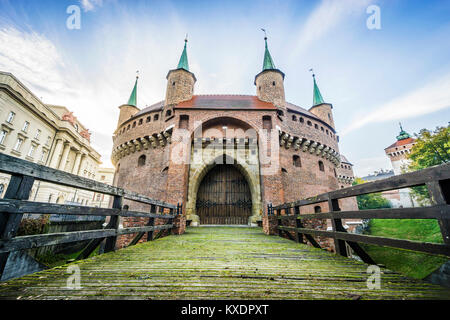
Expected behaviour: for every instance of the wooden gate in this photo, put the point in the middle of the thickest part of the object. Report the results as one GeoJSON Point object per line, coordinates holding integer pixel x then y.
{"type": "Point", "coordinates": [224, 197]}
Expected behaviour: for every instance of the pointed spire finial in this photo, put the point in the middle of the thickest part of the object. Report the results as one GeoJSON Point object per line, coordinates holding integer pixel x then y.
{"type": "Point", "coordinates": [133, 97]}
{"type": "Point", "coordinates": [183, 64]}
{"type": "Point", "coordinates": [317, 96]}
{"type": "Point", "coordinates": [401, 128]}
{"type": "Point", "coordinates": [268, 62]}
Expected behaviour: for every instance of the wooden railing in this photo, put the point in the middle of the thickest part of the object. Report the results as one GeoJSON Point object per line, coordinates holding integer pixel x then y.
{"type": "Point", "coordinates": [14, 205]}
{"type": "Point", "coordinates": [436, 179]}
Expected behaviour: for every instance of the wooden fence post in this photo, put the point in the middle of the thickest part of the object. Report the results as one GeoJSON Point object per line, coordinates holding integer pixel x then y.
{"type": "Point", "coordinates": [19, 188]}
{"type": "Point", "coordinates": [336, 224]}
{"type": "Point", "coordinates": [298, 224]}
{"type": "Point", "coordinates": [110, 244]}
{"type": "Point", "coordinates": [436, 191]}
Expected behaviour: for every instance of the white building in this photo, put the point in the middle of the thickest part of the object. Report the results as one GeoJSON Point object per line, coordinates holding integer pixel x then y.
{"type": "Point", "coordinates": [397, 152]}
{"type": "Point", "coordinates": [48, 135]}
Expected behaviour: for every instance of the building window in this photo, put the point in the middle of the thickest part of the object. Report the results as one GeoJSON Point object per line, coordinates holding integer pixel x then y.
{"type": "Point", "coordinates": [102, 178]}
{"type": "Point", "coordinates": [134, 124]}
{"type": "Point", "coordinates": [48, 140]}
{"type": "Point", "coordinates": [280, 113]}
{"type": "Point", "coordinates": [10, 117]}
{"type": "Point", "coordinates": [18, 144]}
{"type": "Point", "coordinates": [284, 170]}
{"type": "Point", "coordinates": [321, 166]}
{"type": "Point", "coordinates": [273, 83]}
{"type": "Point", "coordinates": [128, 127]}
{"type": "Point", "coordinates": [148, 119]}
{"type": "Point", "coordinates": [99, 197]}
{"type": "Point", "coordinates": [316, 126]}
{"type": "Point", "coordinates": [317, 209]}
{"type": "Point", "coordinates": [294, 118]}
{"type": "Point", "coordinates": [329, 116]}
{"type": "Point", "coordinates": [168, 113]}
{"type": "Point", "coordinates": [296, 161]}
{"type": "Point", "coordinates": [76, 127]}
{"type": "Point", "coordinates": [25, 127]}
{"type": "Point", "coordinates": [140, 121]}
{"type": "Point", "coordinates": [3, 134]}
{"type": "Point", "coordinates": [31, 151]}
{"type": "Point", "coordinates": [321, 128]}
{"type": "Point", "coordinates": [50, 198]}
{"type": "Point", "coordinates": [141, 161]}
{"type": "Point", "coordinates": [309, 123]}
{"type": "Point", "coordinates": [38, 133]}
{"type": "Point", "coordinates": [267, 122]}
{"type": "Point", "coordinates": [156, 117]}
{"type": "Point", "coordinates": [184, 122]}
{"type": "Point", "coordinates": [43, 156]}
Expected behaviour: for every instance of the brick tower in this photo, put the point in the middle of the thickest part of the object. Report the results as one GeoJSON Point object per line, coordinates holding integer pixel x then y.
{"type": "Point", "coordinates": [270, 82]}
{"type": "Point", "coordinates": [180, 83]}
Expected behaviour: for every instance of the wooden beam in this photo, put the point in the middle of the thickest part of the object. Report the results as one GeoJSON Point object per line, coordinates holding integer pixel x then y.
{"type": "Point", "coordinates": [19, 187]}
{"type": "Point", "coordinates": [20, 207]}
{"type": "Point", "coordinates": [114, 222]}
{"type": "Point", "coordinates": [411, 179]}
{"type": "Point", "coordinates": [433, 248]}
{"type": "Point", "coordinates": [437, 197]}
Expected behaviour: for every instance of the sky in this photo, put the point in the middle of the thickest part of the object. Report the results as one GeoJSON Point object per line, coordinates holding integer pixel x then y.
{"type": "Point", "coordinates": [375, 78]}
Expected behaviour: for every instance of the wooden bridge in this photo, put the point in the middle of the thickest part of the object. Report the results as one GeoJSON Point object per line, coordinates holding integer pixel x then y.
{"type": "Point", "coordinates": [214, 262]}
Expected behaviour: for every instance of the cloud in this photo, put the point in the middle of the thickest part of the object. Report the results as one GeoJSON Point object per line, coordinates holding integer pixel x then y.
{"type": "Point", "coordinates": [34, 58]}
{"type": "Point", "coordinates": [328, 15]}
{"type": "Point", "coordinates": [89, 5]}
{"type": "Point", "coordinates": [430, 98]}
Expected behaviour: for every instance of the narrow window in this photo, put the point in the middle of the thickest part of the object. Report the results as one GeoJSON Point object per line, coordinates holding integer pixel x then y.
{"type": "Point", "coordinates": [148, 119]}
{"type": "Point", "coordinates": [309, 123]}
{"type": "Point", "coordinates": [321, 166]}
{"type": "Point", "coordinates": [134, 124]}
{"type": "Point", "coordinates": [168, 113]}
{"type": "Point", "coordinates": [141, 161]}
{"type": "Point", "coordinates": [3, 134]}
{"type": "Point", "coordinates": [302, 120]}
{"type": "Point", "coordinates": [10, 117]}
{"type": "Point", "coordinates": [316, 126]}
{"type": "Point", "coordinates": [267, 122]}
{"type": "Point", "coordinates": [184, 122]}
{"type": "Point", "coordinates": [273, 83]}
{"type": "Point", "coordinates": [317, 209]}
{"type": "Point", "coordinates": [140, 121]}
{"type": "Point", "coordinates": [156, 117]}
{"type": "Point", "coordinates": [296, 161]}
{"type": "Point", "coordinates": [31, 151]}
{"type": "Point", "coordinates": [25, 126]}
{"type": "Point", "coordinates": [294, 118]}
{"type": "Point", "coordinates": [18, 144]}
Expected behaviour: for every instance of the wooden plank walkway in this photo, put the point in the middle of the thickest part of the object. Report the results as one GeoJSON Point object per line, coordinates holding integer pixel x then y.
{"type": "Point", "coordinates": [219, 263]}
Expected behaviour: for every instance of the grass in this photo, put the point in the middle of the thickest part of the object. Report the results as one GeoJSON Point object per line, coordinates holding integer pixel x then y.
{"type": "Point", "coordinates": [413, 264]}
{"type": "Point", "coordinates": [53, 260]}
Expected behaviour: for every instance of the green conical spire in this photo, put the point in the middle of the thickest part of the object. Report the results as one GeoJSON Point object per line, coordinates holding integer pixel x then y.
{"type": "Point", "coordinates": [403, 134]}
{"type": "Point", "coordinates": [133, 98]}
{"type": "Point", "coordinates": [268, 62]}
{"type": "Point", "coordinates": [317, 97]}
{"type": "Point", "coordinates": [183, 64]}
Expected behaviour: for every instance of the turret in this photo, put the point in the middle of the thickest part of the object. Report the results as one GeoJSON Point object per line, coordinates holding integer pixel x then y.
{"type": "Point", "coordinates": [270, 82]}
{"type": "Point", "coordinates": [320, 108]}
{"type": "Point", "coordinates": [180, 82]}
{"type": "Point", "coordinates": [130, 109]}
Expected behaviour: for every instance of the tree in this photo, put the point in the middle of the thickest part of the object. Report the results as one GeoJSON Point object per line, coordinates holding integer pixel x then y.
{"type": "Point", "coordinates": [371, 200]}
{"type": "Point", "coordinates": [430, 149]}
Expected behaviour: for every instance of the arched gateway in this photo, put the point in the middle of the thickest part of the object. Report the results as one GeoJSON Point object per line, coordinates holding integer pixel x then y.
{"type": "Point", "coordinates": [224, 197]}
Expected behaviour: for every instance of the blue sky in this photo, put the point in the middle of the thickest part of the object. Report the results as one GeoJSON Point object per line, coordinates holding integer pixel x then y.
{"type": "Point", "coordinates": [373, 78]}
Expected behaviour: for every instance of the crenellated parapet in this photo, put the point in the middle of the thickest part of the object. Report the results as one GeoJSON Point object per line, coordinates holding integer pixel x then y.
{"type": "Point", "coordinates": [156, 140]}
{"type": "Point", "coordinates": [307, 145]}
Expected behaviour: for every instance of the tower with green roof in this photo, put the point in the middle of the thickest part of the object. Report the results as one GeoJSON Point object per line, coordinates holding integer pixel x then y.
{"type": "Point", "coordinates": [319, 107]}
{"type": "Point", "coordinates": [180, 83]}
{"type": "Point", "coordinates": [270, 82]}
{"type": "Point", "coordinates": [129, 109]}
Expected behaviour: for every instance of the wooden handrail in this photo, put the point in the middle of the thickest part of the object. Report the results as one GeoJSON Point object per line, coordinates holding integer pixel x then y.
{"type": "Point", "coordinates": [15, 204]}
{"type": "Point", "coordinates": [436, 179]}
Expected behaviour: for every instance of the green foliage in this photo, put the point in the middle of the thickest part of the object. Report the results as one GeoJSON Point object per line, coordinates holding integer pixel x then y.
{"type": "Point", "coordinates": [371, 200]}
{"type": "Point", "coordinates": [413, 264]}
{"type": "Point", "coordinates": [430, 149]}
{"type": "Point", "coordinates": [30, 226]}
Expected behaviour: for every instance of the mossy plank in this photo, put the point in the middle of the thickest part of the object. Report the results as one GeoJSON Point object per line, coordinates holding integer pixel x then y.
{"type": "Point", "coordinates": [219, 263]}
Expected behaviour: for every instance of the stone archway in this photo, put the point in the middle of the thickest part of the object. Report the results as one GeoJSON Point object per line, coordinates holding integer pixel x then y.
{"type": "Point", "coordinates": [249, 171]}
